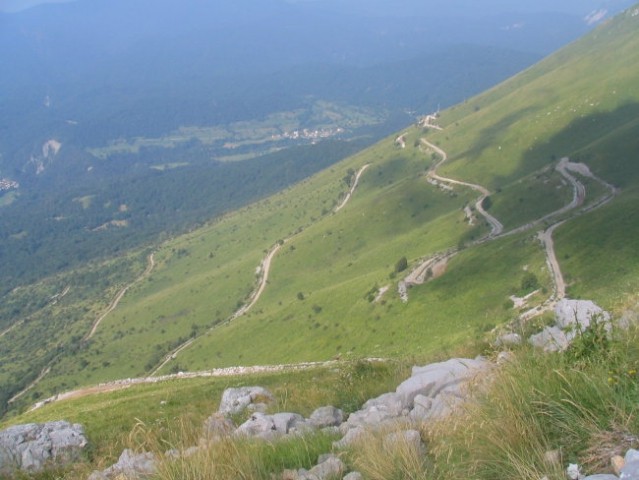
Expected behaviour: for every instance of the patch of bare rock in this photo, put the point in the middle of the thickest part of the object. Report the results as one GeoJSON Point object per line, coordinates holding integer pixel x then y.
{"type": "Point", "coordinates": [571, 318]}
{"type": "Point", "coordinates": [35, 447]}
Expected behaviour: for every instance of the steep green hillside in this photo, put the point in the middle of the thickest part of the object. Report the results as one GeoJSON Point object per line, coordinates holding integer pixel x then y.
{"type": "Point", "coordinates": [323, 295]}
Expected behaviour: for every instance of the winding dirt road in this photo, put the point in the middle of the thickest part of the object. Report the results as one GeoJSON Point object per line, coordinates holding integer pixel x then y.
{"type": "Point", "coordinates": [116, 301]}
{"type": "Point", "coordinates": [265, 268]}
{"type": "Point", "coordinates": [496, 228]}
{"type": "Point", "coordinates": [418, 275]}
{"type": "Point", "coordinates": [353, 187]}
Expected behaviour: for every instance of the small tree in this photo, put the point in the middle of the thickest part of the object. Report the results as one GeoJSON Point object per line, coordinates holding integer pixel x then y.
{"type": "Point", "coordinates": [401, 265]}
{"type": "Point", "coordinates": [529, 282]}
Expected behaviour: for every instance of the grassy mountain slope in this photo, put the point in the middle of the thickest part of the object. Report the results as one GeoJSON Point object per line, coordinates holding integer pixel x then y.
{"type": "Point", "coordinates": [581, 102]}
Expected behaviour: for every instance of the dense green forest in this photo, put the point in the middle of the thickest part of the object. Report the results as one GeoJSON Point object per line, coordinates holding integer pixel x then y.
{"type": "Point", "coordinates": [117, 209]}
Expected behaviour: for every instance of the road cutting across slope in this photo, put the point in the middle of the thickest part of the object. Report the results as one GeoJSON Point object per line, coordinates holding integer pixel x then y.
{"type": "Point", "coordinates": [120, 295]}
{"type": "Point", "coordinates": [264, 269]}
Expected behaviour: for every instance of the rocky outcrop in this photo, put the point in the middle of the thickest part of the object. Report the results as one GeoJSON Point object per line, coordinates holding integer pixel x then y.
{"type": "Point", "coordinates": [431, 392]}
{"type": "Point", "coordinates": [236, 400]}
{"type": "Point", "coordinates": [33, 447]}
{"type": "Point", "coordinates": [130, 465]}
{"type": "Point", "coordinates": [571, 318]}
{"type": "Point", "coordinates": [270, 427]}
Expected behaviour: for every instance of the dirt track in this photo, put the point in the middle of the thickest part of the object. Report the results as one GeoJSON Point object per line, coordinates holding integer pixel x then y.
{"type": "Point", "coordinates": [564, 167]}
{"type": "Point", "coordinates": [265, 268]}
{"type": "Point", "coordinates": [116, 301]}
{"type": "Point", "coordinates": [353, 187]}
{"type": "Point", "coordinates": [495, 225]}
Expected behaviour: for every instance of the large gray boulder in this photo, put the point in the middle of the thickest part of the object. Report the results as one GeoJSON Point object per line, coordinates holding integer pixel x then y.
{"type": "Point", "coordinates": [450, 377]}
{"type": "Point", "coordinates": [430, 393]}
{"type": "Point", "coordinates": [326, 417]}
{"type": "Point", "coordinates": [33, 447]}
{"type": "Point", "coordinates": [573, 313]}
{"type": "Point", "coordinates": [550, 339]}
{"type": "Point", "coordinates": [258, 425]}
{"type": "Point", "coordinates": [236, 400]}
{"type": "Point", "coordinates": [571, 318]}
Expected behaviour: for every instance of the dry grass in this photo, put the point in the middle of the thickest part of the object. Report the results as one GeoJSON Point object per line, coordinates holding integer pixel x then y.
{"type": "Point", "coordinates": [379, 458]}
{"type": "Point", "coordinates": [582, 406]}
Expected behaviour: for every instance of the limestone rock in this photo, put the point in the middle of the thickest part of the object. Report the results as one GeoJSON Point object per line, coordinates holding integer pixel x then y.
{"type": "Point", "coordinates": [269, 427]}
{"type": "Point", "coordinates": [573, 472]}
{"type": "Point", "coordinates": [259, 425]}
{"type": "Point", "coordinates": [288, 422]}
{"type": "Point", "coordinates": [327, 417]}
{"type": "Point", "coordinates": [389, 402]}
{"type": "Point", "coordinates": [605, 476]}
{"type": "Point", "coordinates": [550, 339]}
{"type": "Point", "coordinates": [354, 476]}
{"type": "Point", "coordinates": [236, 400]}
{"type": "Point", "coordinates": [433, 379]}
{"type": "Point", "coordinates": [630, 470]}
{"type": "Point", "coordinates": [32, 447]}
{"type": "Point", "coordinates": [569, 313]}
{"type": "Point", "coordinates": [508, 340]}
{"type": "Point", "coordinates": [571, 317]}
{"type": "Point", "coordinates": [332, 467]}
{"type": "Point", "coordinates": [132, 465]}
